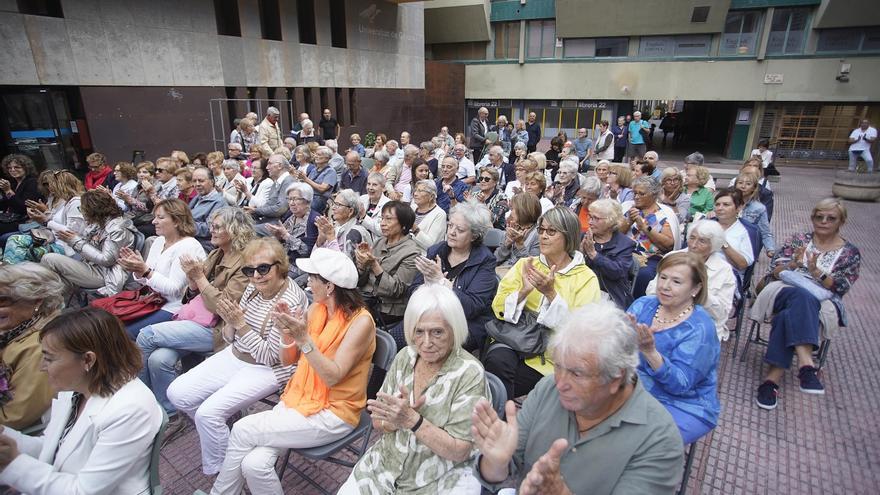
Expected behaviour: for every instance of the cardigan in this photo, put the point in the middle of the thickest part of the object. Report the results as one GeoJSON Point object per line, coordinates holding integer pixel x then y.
{"type": "Point", "coordinates": [167, 277]}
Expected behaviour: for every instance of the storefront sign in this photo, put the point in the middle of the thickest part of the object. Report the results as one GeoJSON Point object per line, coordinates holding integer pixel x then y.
{"type": "Point", "coordinates": [773, 78]}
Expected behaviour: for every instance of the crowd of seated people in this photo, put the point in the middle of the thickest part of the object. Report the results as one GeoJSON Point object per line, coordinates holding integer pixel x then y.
{"type": "Point", "coordinates": [268, 271]}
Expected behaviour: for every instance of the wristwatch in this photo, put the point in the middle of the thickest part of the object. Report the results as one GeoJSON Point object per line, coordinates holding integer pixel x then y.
{"type": "Point", "coordinates": [306, 348]}
{"type": "Point", "coordinates": [725, 246]}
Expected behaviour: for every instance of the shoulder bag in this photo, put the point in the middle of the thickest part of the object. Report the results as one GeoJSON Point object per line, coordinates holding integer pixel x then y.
{"type": "Point", "coordinates": [527, 337]}
{"type": "Point", "coordinates": [131, 305]}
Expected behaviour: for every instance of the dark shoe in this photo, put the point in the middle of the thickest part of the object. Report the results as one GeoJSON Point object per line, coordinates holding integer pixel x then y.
{"type": "Point", "coordinates": [810, 383]}
{"type": "Point", "coordinates": [176, 427]}
{"type": "Point", "coordinates": [767, 393]}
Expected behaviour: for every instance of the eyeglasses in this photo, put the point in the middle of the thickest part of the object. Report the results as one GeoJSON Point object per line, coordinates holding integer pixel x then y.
{"type": "Point", "coordinates": [640, 194]}
{"type": "Point", "coordinates": [485, 179]}
{"type": "Point", "coordinates": [262, 269]}
{"type": "Point", "coordinates": [824, 218]}
{"type": "Point", "coordinates": [160, 170]}
{"type": "Point", "coordinates": [549, 232]}
{"type": "Point", "coordinates": [216, 228]}
{"type": "Point", "coordinates": [334, 204]}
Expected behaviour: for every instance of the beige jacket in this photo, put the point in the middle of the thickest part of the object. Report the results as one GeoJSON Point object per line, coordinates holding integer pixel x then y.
{"type": "Point", "coordinates": [32, 395]}
{"type": "Point", "coordinates": [268, 138]}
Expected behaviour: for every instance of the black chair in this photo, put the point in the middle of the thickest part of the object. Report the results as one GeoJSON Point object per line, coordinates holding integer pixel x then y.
{"type": "Point", "coordinates": [741, 305]}
{"type": "Point", "coordinates": [755, 337]}
{"type": "Point", "coordinates": [688, 464]}
{"type": "Point", "coordinates": [499, 393]}
{"type": "Point", "coordinates": [355, 443]}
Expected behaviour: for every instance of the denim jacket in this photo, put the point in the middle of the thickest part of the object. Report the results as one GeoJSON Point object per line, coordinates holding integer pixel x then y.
{"type": "Point", "coordinates": [755, 212]}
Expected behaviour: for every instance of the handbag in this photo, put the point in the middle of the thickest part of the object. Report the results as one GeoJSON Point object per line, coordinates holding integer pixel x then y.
{"type": "Point", "coordinates": [196, 312]}
{"type": "Point", "coordinates": [527, 337]}
{"type": "Point", "coordinates": [131, 305]}
{"type": "Point", "coordinates": [797, 279]}
{"type": "Point", "coordinates": [42, 236]}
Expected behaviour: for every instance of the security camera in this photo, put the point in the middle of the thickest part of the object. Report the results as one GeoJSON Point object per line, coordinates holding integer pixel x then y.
{"type": "Point", "coordinates": [843, 76]}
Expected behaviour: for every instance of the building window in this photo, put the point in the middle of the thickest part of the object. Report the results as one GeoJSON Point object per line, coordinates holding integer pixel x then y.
{"type": "Point", "coordinates": [849, 40]}
{"type": "Point", "coordinates": [506, 40]}
{"type": "Point", "coordinates": [226, 12]}
{"type": "Point", "coordinates": [338, 36]}
{"type": "Point", "coordinates": [691, 45]}
{"type": "Point", "coordinates": [788, 30]}
{"type": "Point", "coordinates": [595, 47]}
{"type": "Point", "coordinates": [48, 8]}
{"type": "Point", "coordinates": [305, 19]}
{"type": "Point", "coordinates": [270, 20]}
{"type": "Point", "coordinates": [740, 33]}
{"type": "Point", "coordinates": [541, 42]}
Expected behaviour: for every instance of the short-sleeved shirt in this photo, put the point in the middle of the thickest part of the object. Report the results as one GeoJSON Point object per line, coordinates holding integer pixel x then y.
{"type": "Point", "coordinates": [400, 463]}
{"type": "Point", "coordinates": [635, 137]}
{"type": "Point", "coordinates": [656, 221]}
{"type": "Point", "coordinates": [325, 176]}
{"type": "Point", "coordinates": [861, 144]}
{"type": "Point", "coordinates": [328, 127]}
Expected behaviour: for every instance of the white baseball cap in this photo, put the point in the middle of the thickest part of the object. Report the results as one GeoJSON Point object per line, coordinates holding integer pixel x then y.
{"type": "Point", "coordinates": [334, 266]}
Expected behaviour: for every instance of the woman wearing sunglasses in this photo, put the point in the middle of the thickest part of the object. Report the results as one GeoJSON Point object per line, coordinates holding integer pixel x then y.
{"type": "Point", "coordinates": [248, 367]}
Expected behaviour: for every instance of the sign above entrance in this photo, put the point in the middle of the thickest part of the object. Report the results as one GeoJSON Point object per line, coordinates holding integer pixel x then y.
{"type": "Point", "coordinates": [486, 103]}
{"type": "Point", "coordinates": [592, 104]}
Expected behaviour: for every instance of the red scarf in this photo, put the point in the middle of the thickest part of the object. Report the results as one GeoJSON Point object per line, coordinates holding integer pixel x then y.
{"type": "Point", "coordinates": [95, 179]}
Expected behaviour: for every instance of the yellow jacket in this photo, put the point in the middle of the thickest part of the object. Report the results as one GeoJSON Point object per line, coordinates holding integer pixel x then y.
{"type": "Point", "coordinates": [576, 285]}
{"type": "Point", "coordinates": [32, 395]}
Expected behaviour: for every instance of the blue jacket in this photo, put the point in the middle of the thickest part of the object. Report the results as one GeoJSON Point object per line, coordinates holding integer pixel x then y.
{"type": "Point", "coordinates": [458, 188]}
{"type": "Point", "coordinates": [201, 208]}
{"type": "Point", "coordinates": [612, 264]}
{"type": "Point", "coordinates": [687, 380]}
{"type": "Point", "coordinates": [756, 212]}
{"type": "Point", "coordinates": [475, 287]}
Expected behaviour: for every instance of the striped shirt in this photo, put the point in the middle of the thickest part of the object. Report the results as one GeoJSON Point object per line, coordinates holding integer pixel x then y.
{"type": "Point", "coordinates": [264, 344]}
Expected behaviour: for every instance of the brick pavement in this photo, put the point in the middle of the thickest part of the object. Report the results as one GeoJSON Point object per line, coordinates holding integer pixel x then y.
{"type": "Point", "coordinates": [810, 444]}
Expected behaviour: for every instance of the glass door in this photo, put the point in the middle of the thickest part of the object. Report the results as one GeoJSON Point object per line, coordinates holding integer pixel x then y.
{"type": "Point", "coordinates": [38, 125]}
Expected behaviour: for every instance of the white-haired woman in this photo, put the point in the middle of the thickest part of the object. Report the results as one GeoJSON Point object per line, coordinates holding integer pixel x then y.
{"type": "Point", "coordinates": [705, 240]}
{"type": "Point", "coordinates": [567, 183]}
{"type": "Point", "coordinates": [373, 202]}
{"type": "Point", "coordinates": [342, 231]}
{"type": "Point", "coordinates": [425, 406]}
{"type": "Point", "coordinates": [590, 190]}
{"type": "Point", "coordinates": [308, 134]}
{"type": "Point", "coordinates": [608, 252]}
{"type": "Point", "coordinates": [232, 192]}
{"type": "Point", "coordinates": [490, 194]}
{"type": "Point", "coordinates": [430, 226]}
{"type": "Point", "coordinates": [299, 233]}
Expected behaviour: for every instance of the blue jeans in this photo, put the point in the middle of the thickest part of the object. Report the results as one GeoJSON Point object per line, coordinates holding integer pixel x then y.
{"type": "Point", "coordinates": [163, 344]}
{"type": "Point", "coordinates": [795, 322]}
{"type": "Point", "coordinates": [864, 155]}
{"type": "Point", "coordinates": [691, 427]}
{"type": "Point", "coordinates": [134, 328]}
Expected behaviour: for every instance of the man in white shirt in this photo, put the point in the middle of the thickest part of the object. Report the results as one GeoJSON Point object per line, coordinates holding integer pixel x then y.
{"type": "Point", "coordinates": [860, 141]}
{"type": "Point", "coordinates": [467, 171]}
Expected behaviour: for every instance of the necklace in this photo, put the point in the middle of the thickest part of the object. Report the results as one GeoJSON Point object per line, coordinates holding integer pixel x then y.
{"type": "Point", "coordinates": [671, 320]}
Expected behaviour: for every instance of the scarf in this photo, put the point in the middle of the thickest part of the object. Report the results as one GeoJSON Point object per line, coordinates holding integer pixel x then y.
{"type": "Point", "coordinates": [7, 337]}
{"type": "Point", "coordinates": [305, 391]}
{"type": "Point", "coordinates": [95, 179]}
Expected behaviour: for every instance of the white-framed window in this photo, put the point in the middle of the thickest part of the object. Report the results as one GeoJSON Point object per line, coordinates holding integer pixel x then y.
{"type": "Point", "coordinates": [788, 31]}
{"type": "Point", "coordinates": [741, 30]}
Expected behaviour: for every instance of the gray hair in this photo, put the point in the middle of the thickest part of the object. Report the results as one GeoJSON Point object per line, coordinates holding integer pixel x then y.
{"type": "Point", "coordinates": [332, 144]}
{"type": "Point", "coordinates": [496, 149]}
{"type": "Point", "coordinates": [305, 191]}
{"type": "Point", "coordinates": [285, 163]}
{"type": "Point", "coordinates": [602, 330]}
{"type": "Point", "coordinates": [477, 216]}
{"type": "Point", "coordinates": [496, 175]}
{"type": "Point", "coordinates": [32, 283]}
{"type": "Point", "coordinates": [649, 183]}
{"type": "Point", "coordinates": [695, 158]}
{"type": "Point", "coordinates": [435, 297]}
{"type": "Point", "coordinates": [324, 151]}
{"type": "Point", "coordinates": [381, 156]}
{"type": "Point", "coordinates": [306, 152]}
{"type": "Point", "coordinates": [378, 177]}
{"type": "Point", "coordinates": [351, 199]}
{"type": "Point", "coordinates": [609, 207]}
{"type": "Point", "coordinates": [307, 123]}
{"type": "Point", "coordinates": [272, 111]}
{"type": "Point", "coordinates": [427, 146]}
{"type": "Point", "coordinates": [710, 230]}
{"type": "Point", "coordinates": [396, 144]}
{"type": "Point", "coordinates": [428, 184]}
{"type": "Point", "coordinates": [592, 186]}
{"type": "Point", "coordinates": [239, 224]}
{"type": "Point", "coordinates": [569, 166]}
{"type": "Point", "coordinates": [567, 223]}
{"type": "Point", "coordinates": [520, 146]}
{"type": "Point", "coordinates": [290, 140]}
{"type": "Point", "coordinates": [235, 146]}
{"type": "Point", "coordinates": [233, 164]}
{"type": "Point", "coordinates": [410, 150]}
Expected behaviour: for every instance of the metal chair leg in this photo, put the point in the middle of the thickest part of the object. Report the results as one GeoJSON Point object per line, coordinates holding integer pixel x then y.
{"type": "Point", "coordinates": [688, 463]}
{"type": "Point", "coordinates": [755, 327]}
{"type": "Point", "coordinates": [824, 348]}
{"type": "Point", "coordinates": [740, 313]}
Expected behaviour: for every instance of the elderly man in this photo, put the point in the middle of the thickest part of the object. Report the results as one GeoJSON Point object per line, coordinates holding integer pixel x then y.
{"type": "Point", "coordinates": [860, 141]}
{"type": "Point", "coordinates": [467, 171]}
{"type": "Point", "coordinates": [298, 126]}
{"type": "Point", "coordinates": [206, 201]}
{"type": "Point", "coordinates": [653, 159]}
{"type": "Point", "coordinates": [233, 151]}
{"type": "Point", "coordinates": [590, 427]}
{"type": "Point", "coordinates": [336, 160]}
{"type": "Point", "coordinates": [394, 152]}
{"type": "Point", "coordinates": [637, 145]}
{"type": "Point", "coordinates": [290, 143]}
{"type": "Point", "coordinates": [478, 129]}
{"type": "Point", "coordinates": [321, 176]}
{"type": "Point", "coordinates": [496, 158]}
{"type": "Point", "coordinates": [447, 138]}
{"type": "Point", "coordinates": [269, 132]}
{"type": "Point", "coordinates": [582, 145]}
{"type": "Point", "coordinates": [405, 139]}
{"type": "Point", "coordinates": [276, 205]}
{"type": "Point", "coordinates": [354, 177]}
{"type": "Point", "coordinates": [534, 130]}
{"type": "Point", "coordinates": [329, 125]}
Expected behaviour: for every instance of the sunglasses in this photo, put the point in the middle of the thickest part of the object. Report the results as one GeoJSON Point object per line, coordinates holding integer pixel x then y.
{"type": "Point", "coordinates": [485, 179]}
{"type": "Point", "coordinates": [160, 170]}
{"type": "Point", "coordinates": [262, 269]}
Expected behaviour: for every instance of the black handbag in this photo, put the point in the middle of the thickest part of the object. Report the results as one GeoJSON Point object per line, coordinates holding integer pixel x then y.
{"type": "Point", "coordinates": [527, 337]}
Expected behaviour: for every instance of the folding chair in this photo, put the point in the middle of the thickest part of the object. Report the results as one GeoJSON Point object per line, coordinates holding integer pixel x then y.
{"type": "Point", "coordinates": [499, 393]}
{"type": "Point", "coordinates": [754, 337]}
{"type": "Point", "coordinates": [688, 463]}
{"type": "Point", "coordinates": [741, 306]}
{"type": "Point", "coordinates": [356, 441]}
{"type": "Point", "coordinates": [155, 485]}
{"type": "Point", "coordinates": [493, 238]}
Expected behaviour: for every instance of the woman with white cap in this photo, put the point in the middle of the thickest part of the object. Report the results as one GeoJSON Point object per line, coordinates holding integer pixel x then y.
{"type": "Point", "coordinates": [332, 348]}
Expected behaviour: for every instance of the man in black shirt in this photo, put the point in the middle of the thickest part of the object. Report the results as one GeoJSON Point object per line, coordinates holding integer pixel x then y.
{"type": "Point", "coordinates": [329, 126]}
{"type": "Point", "coordinates": [534, 130]}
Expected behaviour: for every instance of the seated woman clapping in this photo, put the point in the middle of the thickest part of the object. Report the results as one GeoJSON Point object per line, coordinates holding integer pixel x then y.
{"type": "Point", "coordinates": [104, 420]}
{"type": "Point", "coordinates": [332, 349]}
{"type": "Point", "coordinates": [608, 252]}
{"type": "Point", "coordinates": [249, 368]}
{"type": "Point", "coordinates": [678, 347]}
{"type": "Point", "coordinates": [425, 405]}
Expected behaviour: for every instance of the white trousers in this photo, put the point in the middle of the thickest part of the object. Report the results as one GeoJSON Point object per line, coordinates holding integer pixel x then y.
{"type": "Point", "coordinates": [259, 439]}
{"type": "Point", "coordinates": [215, 390]}
{"type": "Point", "coordinates": [467, 485]}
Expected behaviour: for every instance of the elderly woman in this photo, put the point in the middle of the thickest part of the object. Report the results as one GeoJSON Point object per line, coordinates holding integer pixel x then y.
{"type": "Point", "coordinates": [488, 193]}
{"type": "Point", "coordinates": [425, 403]}
{"type": "Point", "coordinates": [255, 157]}
{"type": "Point", "coordinates": [218, 277]}
{"type": "Point", "coordinates": [536, 183]}
{"type": "Point", "coordinates": [567, 183]}
{"type": "Point", "coordinates": [234, 182]}
{"type": "Point", "coordinates": [705, 240]}
{"type": "Point", "coordinates": [331, 347]}
{"type": "Point", "coordinates": [521, 168]}
{"type": "Point", "coordinates": [701, 196]}
{"type": "Point", "coordinates": [373, 202]}
{"type": "Point", "coordinates": [257, 188]}
{"type": "Point", "coordinates": [381, 165]}
{"type": "Point", "coordinates": [521, 236]}
{"type": "Point", "coordinates": [813, 267]}
{"type": "Point", "coordinates": [18, 184]}
{"type": "Point", "coordinates": [672, 194]}
{"type": "Point", "coordinates": [30, 296]}
{"type": "Point", "coordinates": [386, 271]}
{"type": "Point", "coordinates": [754, 211]}
{"type": "Point", "coordinates": [550, 287]}
{"type": "Point", "coordinates": [248, 368]}
{"type": "Point", "coordinates": [378, 145]}
{"type": "Point", "coordinates": [608, 252]}
{"type": "Point", "coordinates": [737, 247]}
{"type": "Point", "coordinates": [161, 272]}
{"type": "Point", "coordinates": [249, 136]}
{"type": "Point", "coordinates": [186, 189]}
{"type": "Point", "coordinates": [215, 166]}
{"type": "Point", "coordinates": [651, 227]}
{"type": "Point", "coordinates": [466, 266]}
{"type": "Point", "coordinates": [62, 213]}
{"type": "Point", "coordinates": [308, 134]}
{"type": "Point", "coordinates": [126, 177]}
{"type": "Point", "coordinates": [140, 203]}
{"type": "Point", "coordinates": [299, 233]}
{"type": "Point", "coordinates": [98, 247]}
{"type": "Point", "coordinates": [343, 231]}
{"type": "Point", "coordinates": [103, 423]}
{"type": "Point", "coordinates": [590, 190]}
{"type": "Point", "coordinates": [619, 182]}
{"type": "Point", "coordinates": [321, 177]}
{"type": "Point", "coordinates": [678, 347]}
{"type": "Point", "coordinates": [430, 223]}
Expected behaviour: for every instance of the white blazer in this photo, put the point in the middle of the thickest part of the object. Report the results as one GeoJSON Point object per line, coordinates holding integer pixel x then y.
{"type": "Point", "coordinates": [107, 451]}
{"type": "Point", "coordinates": [371, 222]}
{"type": "Point", "coordinates": [432, 228]}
